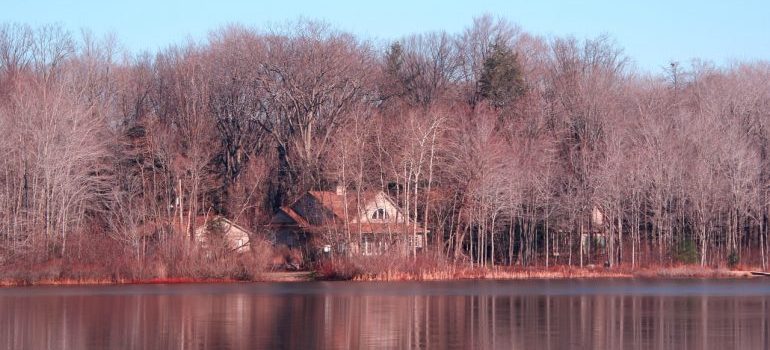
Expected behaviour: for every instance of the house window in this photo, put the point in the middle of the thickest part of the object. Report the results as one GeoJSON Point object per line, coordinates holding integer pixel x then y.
{"type": "Point", "coordinates": [380, 214]}
{"type": "Point", "coordinates": [414, 241]}
{"type": "Point", "coordinates": [366, 246]}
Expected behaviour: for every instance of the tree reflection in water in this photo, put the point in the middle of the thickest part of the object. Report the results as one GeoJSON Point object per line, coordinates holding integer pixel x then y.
{"type": "Point", "coordinates": [342, 315]}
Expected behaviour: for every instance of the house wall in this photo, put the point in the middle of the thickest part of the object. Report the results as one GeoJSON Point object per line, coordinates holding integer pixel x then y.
{"type": "Point", "coordinates": [380, 201]}
{"type": "Point", "coordinates": [235, 237]}
{"type": "Point", "coordinates": [597, 217]}
{"type": "Point", "coordinates": [289, 237]}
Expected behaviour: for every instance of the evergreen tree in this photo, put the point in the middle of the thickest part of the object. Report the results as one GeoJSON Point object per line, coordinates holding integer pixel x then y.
{"type": "Point", "coordinates": [501, 80]}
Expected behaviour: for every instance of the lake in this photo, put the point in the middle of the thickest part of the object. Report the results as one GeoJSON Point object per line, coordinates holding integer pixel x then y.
{"type": "Point", "coordinates": [531, 314]}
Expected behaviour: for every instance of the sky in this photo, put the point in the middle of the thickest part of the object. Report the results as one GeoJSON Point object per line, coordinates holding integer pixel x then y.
{"type": "Point", "coordinates": [652, 33]}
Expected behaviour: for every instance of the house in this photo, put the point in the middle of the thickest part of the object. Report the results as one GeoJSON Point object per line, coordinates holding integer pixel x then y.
{"type": "Point", "coordinates": [366, 223]}
{"type": "Point", "coordinates": [218, 231]}
{"type": "Point", "coordinates": [596, 235]}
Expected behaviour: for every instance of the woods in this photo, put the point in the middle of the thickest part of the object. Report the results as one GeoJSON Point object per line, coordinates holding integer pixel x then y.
{"type": "Point", "coordinates": [512, 148]}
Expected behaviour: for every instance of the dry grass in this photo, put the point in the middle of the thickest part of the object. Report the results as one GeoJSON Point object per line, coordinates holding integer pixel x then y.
{"type": "Point", "coordinates": [390, 267]}
{"type": "Point", "coordinates": [106, 263]}
{"type": "Point", "coordinates": [692, 271]}
{"type": "Point", "coordinates": [433, 267]}
{"type": "Point", "coordinates": [454, 272]}
{"type": "Point", "coordinates": [444, 270]}
{"type": "Point", "coordinates": [74, 282]}
{"type": "Point", "coordinates": [294, 276]}
{"type": "Point", "coordinates": [300, 276]}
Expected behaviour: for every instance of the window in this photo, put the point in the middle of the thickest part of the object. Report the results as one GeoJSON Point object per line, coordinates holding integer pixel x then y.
{"type": "Point", "coordinates": [380, 214]}
{"type": "Point", "coordinates": [414, 241]}
{"type": "Point", "coordinates": [366, 246]}
{"type": "Point", "coordinates": [369, 244]}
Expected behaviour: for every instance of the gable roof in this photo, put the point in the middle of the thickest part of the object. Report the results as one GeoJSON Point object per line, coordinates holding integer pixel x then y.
{"type": "Point", "coordinates": [293, 215]}
{"type": "Point", "coordinates": [152, 227]}
{"type": "Point", "coordinates": [201, 221]}
{"type": "Point", "coordinates": [331, 201]}
{"type": "Point", "coordinates": [334, 203]}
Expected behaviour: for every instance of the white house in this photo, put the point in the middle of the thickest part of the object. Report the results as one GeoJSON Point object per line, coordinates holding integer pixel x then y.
{"type": "Point", "coordinates": [221, 232]}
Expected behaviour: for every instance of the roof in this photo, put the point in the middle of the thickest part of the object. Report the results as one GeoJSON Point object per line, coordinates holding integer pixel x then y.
{"type": "Point", "coordinates": [201, 221]}
{"type": "Point", "coordinates": [151, 227]}
{"type": "Point", "coordinates": [331, 201]}
{"type": "Point", "coordinates": [295, 216]}
{"type": "Point", "coordinates": [335, 204]}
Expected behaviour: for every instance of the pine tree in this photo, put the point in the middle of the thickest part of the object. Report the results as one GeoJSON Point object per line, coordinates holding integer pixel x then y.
{"type": "Point", "coordinates": [501, 81]}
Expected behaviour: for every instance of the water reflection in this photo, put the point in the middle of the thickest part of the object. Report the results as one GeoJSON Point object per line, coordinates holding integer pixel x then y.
{"type": "Point", "coordinates": [462, 315]}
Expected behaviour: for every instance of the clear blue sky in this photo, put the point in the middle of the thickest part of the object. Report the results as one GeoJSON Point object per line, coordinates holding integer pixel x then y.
{"type": "Point", "coordinates": [652, 32]}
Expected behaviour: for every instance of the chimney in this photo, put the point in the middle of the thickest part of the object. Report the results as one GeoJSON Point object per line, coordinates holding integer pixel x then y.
{"type": "Point", "coordinates": [340, 189]}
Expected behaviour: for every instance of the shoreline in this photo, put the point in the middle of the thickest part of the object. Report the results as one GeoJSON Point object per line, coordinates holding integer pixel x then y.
{"type": "Point", "coordinates": [502, 274]}
{"type": "Point", "coordinates": [562, 273]}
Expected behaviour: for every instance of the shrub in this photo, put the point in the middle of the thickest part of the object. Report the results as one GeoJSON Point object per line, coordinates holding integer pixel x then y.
{"type": "Point", "coordinates": [389, 266]}
{"type": "Point", "coordinates": [337, 269]}
{"type": "Point", "coordinates": [256, 261]}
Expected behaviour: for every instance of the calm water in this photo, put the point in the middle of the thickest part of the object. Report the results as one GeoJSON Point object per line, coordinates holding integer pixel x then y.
{"type": "Point", "coordinates": [584, 314]}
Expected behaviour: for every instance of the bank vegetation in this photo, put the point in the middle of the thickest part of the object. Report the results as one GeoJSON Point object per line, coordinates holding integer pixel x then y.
{"type": "Point", "coordinates": [515, 150]}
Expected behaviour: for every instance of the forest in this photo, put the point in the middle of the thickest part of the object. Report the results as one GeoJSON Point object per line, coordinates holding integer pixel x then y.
{"type": "Point", "coordinates": [513, 148]}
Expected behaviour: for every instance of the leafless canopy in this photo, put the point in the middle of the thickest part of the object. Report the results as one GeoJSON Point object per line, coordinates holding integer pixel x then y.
{"type": "Point", "coordinates": [511, 148]}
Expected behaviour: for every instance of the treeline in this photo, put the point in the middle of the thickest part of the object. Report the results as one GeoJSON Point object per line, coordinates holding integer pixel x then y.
{"type": "Point", "coordinates": [514, 149]}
